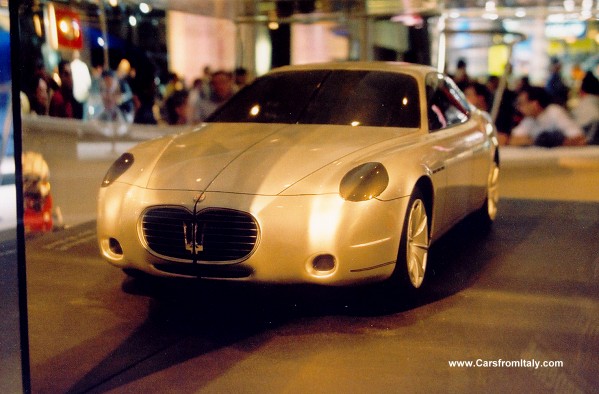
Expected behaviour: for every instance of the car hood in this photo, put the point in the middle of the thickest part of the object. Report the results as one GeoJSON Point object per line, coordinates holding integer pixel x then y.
{"type": "Point", "coordinates": [254, 158]}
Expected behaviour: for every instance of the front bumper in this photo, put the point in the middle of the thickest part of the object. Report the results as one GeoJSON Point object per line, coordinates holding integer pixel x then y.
{"type": "Point", "coordinates": [295, 232]}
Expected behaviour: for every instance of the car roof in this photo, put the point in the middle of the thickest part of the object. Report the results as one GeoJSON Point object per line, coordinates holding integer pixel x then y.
{"type": "Point", "coordinates": [400, 67]}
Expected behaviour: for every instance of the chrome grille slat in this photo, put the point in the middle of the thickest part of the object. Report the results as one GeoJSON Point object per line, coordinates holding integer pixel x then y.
{"type": "Point", "coordinates": [224, 235]}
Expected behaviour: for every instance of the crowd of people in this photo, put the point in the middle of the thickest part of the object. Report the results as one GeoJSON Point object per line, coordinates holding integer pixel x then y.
{"type": "Point", "coordinates": [126, 95]}
{"type": "Point", "coordinates": [551, 115]}
{"type": "Point", "coordinates": [555, 114]}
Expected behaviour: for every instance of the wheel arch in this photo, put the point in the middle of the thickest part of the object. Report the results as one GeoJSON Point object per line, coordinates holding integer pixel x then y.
{"type": "Point", "coordinates": [425, 185]}
{"type": "Point", "coordinates": [496, 156]}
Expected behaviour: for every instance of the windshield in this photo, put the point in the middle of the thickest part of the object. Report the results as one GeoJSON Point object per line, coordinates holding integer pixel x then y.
{"type": "Point", "coordinates": [340, 97]}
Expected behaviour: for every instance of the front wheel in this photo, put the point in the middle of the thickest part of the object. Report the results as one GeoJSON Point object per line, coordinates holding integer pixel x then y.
{"type": "Point", "coordinates": [415, 241]}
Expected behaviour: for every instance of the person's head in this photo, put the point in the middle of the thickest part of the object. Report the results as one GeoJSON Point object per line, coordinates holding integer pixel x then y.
{"type": "Point", "coordinates": [555, 65]}
{"type": "Point", "coordinates": [532, 101]}
{"type": "Point", "coordinates": [241, 76]}
{"type": "Point", "coordinates": [66, 77]}
{"type": "Point", "coordinates": [177, 108]}
{"type": "Point", "coordinates": [198, 83]}
{"type": "Point", "coordinates": [590, 84]}
{"type": "Point", "coordinates": [493, 82]}
{"type": "Point", "coordinates": [39, 96]}
{"type": "Point", "coordinates": [460, 72]}
{"type": "Point", "coordinates": [109, 89]}
{"type": "Point", "coordinates": [123, 69]}
{"type": "Point", "coordinates": [222, 85]}
{"type": "Point", "coordinates": [478, 95]}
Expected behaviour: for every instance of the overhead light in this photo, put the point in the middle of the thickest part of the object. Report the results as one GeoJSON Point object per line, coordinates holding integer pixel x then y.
{"type": "Point", "coordinates": [145, 8]}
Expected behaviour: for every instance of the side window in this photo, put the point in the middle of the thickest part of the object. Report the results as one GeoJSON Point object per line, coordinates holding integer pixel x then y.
{"type": "Point", "coordinates": [446, 105]}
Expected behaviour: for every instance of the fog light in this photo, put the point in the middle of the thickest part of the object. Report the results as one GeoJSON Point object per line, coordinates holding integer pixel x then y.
{"type": "Point", "coordinates": [115, 246]}
{"type": "Point", "coordinates": [323, 264]}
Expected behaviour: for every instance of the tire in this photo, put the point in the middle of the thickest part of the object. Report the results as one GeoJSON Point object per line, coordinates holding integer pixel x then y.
{"type": "Point", "coordinates": [412, 257]}
{"type": "Point", "coordinates": [486, 215]}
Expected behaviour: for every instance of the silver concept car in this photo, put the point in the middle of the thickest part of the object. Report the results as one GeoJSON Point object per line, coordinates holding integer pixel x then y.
{"type": "Point", "coordinates": [332, 174]}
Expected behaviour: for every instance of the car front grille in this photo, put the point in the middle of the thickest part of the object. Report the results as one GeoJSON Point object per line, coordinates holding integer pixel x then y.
{"type": "Point", "coordinates": [213, 235]}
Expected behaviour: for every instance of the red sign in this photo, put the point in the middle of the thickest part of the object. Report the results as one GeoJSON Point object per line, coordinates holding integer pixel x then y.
{"type": "Point", "coordinates": [68, 28]}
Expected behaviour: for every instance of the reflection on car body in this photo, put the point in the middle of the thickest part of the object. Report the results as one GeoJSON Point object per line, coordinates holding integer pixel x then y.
{"type": "Point", "coordinates": [332, 174]}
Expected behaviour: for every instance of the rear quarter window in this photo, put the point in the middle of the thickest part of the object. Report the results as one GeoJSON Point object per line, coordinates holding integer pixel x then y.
{"type": "Point", "coordinates": [446, 104]}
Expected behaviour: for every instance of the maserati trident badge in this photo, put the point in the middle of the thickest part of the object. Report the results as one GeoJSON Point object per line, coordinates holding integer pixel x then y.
{"type": "Point", "coordinates": [191, 241]}
{"type": "Point", "coordinates": [199, 197]}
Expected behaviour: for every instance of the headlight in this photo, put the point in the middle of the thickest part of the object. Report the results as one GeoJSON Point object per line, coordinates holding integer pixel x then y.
{"type": "Point", "coordinates": [364, 182]}
{"type": "Point", "coordinates": [118, 168]}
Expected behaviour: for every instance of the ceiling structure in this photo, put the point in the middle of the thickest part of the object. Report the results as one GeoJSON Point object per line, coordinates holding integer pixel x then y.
{"type": "Point", "coordinates": [261, 10]}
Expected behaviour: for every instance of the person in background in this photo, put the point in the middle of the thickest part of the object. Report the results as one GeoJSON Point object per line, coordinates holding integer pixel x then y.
{"type": "Point", "coordinates": [145, 94]}
{"type": "Point", "coordinates": [38, 96]}
{"type": "Point", "coordinates": [544, 124]}
{"type": "Point", "coordinates": [40, 72]}
{"type": "Point", "coordinates": [196, 95]}
{"type": "Point", "coordinates": [94, 102]}
{"type": "Point", "coordinates": [221, 90]}
{"type": "Point", "coordinates": [240, 77]}
{"type": "Point", "coordinates": [174, 83]}
{"type": "Point", "coordinates": [461, 77]}
{"type": "Point", "coordinates": [521, 84]}
{"type": "Point", "coordinates": [177, 108]}
{"type": "Point", "coordinates": [586, 112]}
{"type": "Point", "coordinates": [478, 95]}
{"type": "Point", "coordinates": [111, 97]}
{"type": "Point", "coordinates": [124, 74]}
{"type": "Point", "coordinates": [63, 103]}
{"type": "Point", "coordinates": [506, 113]}
{"type": "Point", "coordinates": [576, 74]}
{"type": "Point", "coordinates": [82, 80]}
{"type": "Point", "coordinates": [556, 86]}
{"type": "Point", "coordinates": [206, 78]}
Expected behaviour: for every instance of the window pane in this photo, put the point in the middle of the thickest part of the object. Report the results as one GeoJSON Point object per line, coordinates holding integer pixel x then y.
{"type": "Point", "coordinates": [277, 98]}
{"type": "Point", "coordinates": [366, 98]}
{"type": "Point", "coordinates": [341, 97]}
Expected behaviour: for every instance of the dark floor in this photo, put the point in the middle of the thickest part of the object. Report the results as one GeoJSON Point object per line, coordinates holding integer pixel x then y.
{"type": "Point", "coordinates": [528, 290]}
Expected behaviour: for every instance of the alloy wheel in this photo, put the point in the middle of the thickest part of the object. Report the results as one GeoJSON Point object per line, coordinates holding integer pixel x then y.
{"type": "Point", "coordinates": [417, 243]}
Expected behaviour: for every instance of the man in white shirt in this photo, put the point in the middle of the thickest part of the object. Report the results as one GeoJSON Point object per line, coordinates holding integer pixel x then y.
{"type": "Point", "coordinates": [544, 124]}
{"type": "Point", "coordinates": [586, 112]}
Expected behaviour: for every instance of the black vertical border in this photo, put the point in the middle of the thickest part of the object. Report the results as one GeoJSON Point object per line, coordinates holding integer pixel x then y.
{"type": "Point", "coordinates": [15, 44]}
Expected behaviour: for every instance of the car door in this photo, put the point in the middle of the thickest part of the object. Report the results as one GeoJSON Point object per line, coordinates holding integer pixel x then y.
{"type": "Point", "coordinates": [456, 136]}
